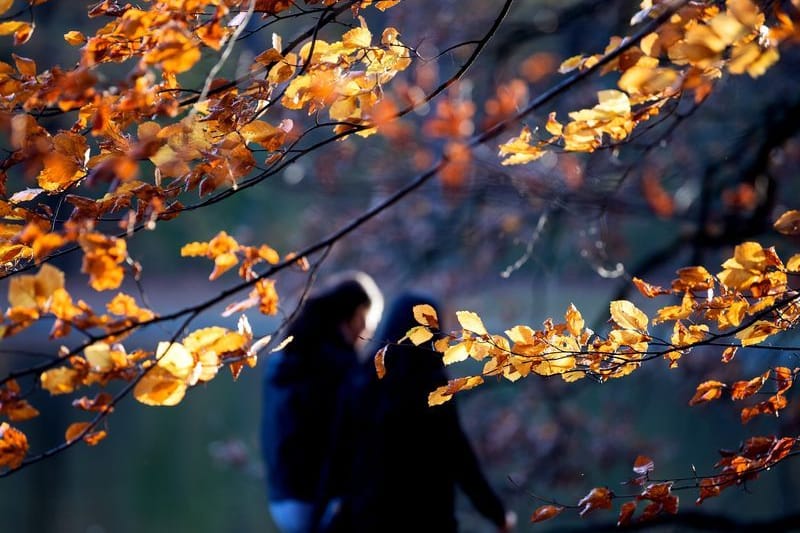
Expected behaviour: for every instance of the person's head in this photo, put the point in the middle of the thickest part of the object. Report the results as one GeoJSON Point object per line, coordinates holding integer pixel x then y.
{"type": "Point", "coordinates": [348, 307]}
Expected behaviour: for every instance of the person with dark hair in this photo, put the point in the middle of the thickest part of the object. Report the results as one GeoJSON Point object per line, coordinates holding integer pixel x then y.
{"type": "Point", "coordinates": [301, 386]}
{"type": "Point", "coordinates": [398, 461]}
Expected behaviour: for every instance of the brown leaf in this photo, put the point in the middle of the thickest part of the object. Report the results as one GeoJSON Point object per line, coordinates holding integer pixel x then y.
{"type": "Point", "coordinates": [744, 389]}
{"type": "Point", "coordinates": [788, 223]}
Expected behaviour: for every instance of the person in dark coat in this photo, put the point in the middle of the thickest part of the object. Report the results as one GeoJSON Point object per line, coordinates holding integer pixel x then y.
{"type": "Point", "coordinates": [398, 461]}
{"type": "Point", "coordinates": [301, 386]}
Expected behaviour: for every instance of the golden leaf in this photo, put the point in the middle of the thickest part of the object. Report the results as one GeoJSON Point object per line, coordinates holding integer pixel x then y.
{"type": "Point", "coordinates": [159, 387]}
{"type": "Point", "coordinates": [456, 353]}
{"type": "Point", "coordinates": [99, 357]}
{"type": "Point", "coordinates": [471, 322]}
{"type": "Point", "coordinates": [419, 334]}
{"type": "Point", "coordinates": [5, 5]}
{"type": "Point", "coordinates": [757, 332]}
{"type": "Point", "coordinates": [445, 392]}
{"type": "Point", "coordinates": [175, 359]}
{"type": "Point", "coordinates": [519, 149]}
{"type": "Point", "coordinates": [13, 446]}
{"type": "Point", "coordinates": [707, 391]}
{"type": "Point", "coordinates": [574, 320]}
{"type": "Point", "coordinates": [628, 316]}
{"type": "Point", "coordinates": [61, 380]}
{"type": "Point", "coordinates": [75, 38]}
{"type": "Point", "coordinates": [426, 315]}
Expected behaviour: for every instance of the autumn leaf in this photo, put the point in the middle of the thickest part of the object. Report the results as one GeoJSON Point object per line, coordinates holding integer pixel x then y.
{"type": "Point", "coordinates": [650, 291]}
{"type": "Point", "coordinates": [643, 465]}
{"type": "Point", "coordinates": [380, 362]}
{"type": "Point", "coordinates": [628, 316]}
{"type": "Point", "coordinates": [744, 389]}
{"type": "Point", "coordinates": [707, 391]}
{"type": "Point", "coordinates": [471, 322]}
{"type": "Point", "coordinates": [598, 498]}
{"type": "Point", "coordinates": [626, 512]}
{"type": "Point", "coordinates": [159, 387]}
{"type": "Point", "coordinates": [426, 315]}
{"type": "Point", "coordinates": [546, 512]}
{"type": "Point", "coordinates": [13, 446]}
{"type": "Point", "coordinates": [445, 393]}
{"type": "Point", "coordinates": [788, 223]}
{"type": "Point", "coordinates": [418, 335]}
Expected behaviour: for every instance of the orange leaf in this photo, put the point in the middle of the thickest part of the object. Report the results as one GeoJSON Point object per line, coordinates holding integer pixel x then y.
{"type": "Point", "coordinates": [546, 512]}
{"type": "Point", "coordinates": [74, 430]}
{"type": "Point", "coordinates": [744, 389]}
{"type": "Point", "coordinates": [13, 446]}
{"type": "Point", "coordinates": [707, 391]}
{"type": "Point", "coordinates": [643, 465]}
{"type": "Point", "coordinates": [598, 498]}
{"type": "Point", "coordinates": [650, 291]}
{"type": "Point", "coordinates": [445, 392]}
{"type": "Point", "coordinates": [626, 513]}
{"type": "Point", "coordinates": [380, 363]}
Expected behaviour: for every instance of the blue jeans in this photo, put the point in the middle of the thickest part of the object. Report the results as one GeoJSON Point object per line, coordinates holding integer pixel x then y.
{"type": "Point", "coordinates": [292, 516]}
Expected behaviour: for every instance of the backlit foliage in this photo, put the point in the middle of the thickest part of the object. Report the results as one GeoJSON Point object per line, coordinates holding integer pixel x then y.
{"type": "Point", "coordinates": [93, 158]}
{"type": "Point", "coordinates": [747, 303]}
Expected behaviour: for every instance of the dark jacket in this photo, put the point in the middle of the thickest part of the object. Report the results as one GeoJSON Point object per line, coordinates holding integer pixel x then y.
{"type": "Point", "coordinates": [399, 461]}
{"type": "Point", "coordinates": [301, 387]}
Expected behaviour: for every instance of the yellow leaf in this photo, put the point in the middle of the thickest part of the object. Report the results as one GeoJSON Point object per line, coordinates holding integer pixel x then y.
{"type": "Point", "coordinates": [793, 265]}
{"type": "Point", "coordinates": [75, 38]}
{"type": "Point", "coordinates": [574, 320]}
{"type": "Point", "coordinates": [5, 5]}
{"type": "Point", "coordinates": [61, 380]}
{"type": "Point", "coordinates": [519, 149]}
{"type": "Point", "coordinates": [175, 359]}
{"type": "Point", "coordinates": [426, 315]}
{"type": "Point", "coordinates": [757, 332]}
{"type": "Point", "coordinates": [419, 335]}
{"type": "Point", "coordinates": [553, 126]}
{"type": "Point", "coordinates": [12, 26]}
{"type": "Point", "coordinates": [456, 353]}
{"type": "Point", "coordinates": [628, 316]}
{"type": "Point", "coordinates": [99, 357]}
{"type": "Point", "coordinates": [159, 387]}
{"type": "Point", "coordinates": [445, 392]}
{"type": "Point", "coordinates": [471, 322]}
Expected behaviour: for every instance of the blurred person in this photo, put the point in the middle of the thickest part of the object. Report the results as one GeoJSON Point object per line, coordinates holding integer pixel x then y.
{"type": "Point", "coordinates": [301, 386]}
{"type": "Point", "coordinates": [398, 461]}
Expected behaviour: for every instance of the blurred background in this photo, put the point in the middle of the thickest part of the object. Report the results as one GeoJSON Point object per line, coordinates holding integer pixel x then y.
{"type": "Point", "coordinates": [515, 245]}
